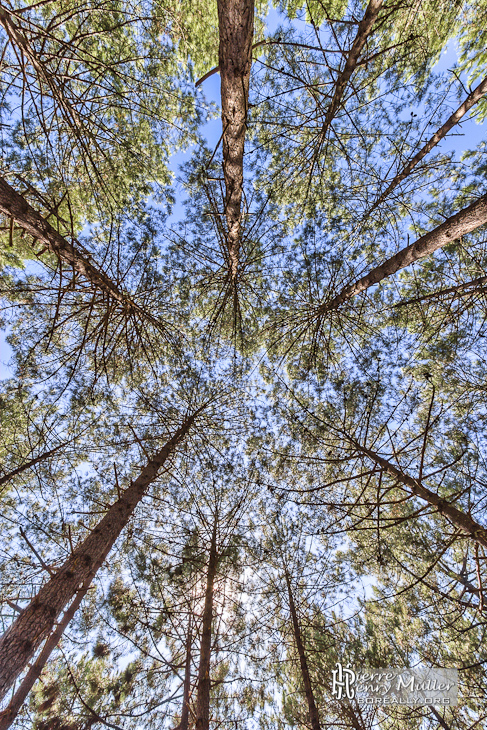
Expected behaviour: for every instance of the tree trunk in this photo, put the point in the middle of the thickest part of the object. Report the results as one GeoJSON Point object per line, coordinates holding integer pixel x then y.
{"type": "Point", "coordinates": [466, 523]}
{"type": "Point", "coordinates": [204, 682]}
{"type": "Point", "coordinates": [10, 713]}
{"type": "Point", "coordinates": [471, 99]}
{"type": "Point", "coordinates": [36, 621]}
{"type": "Point", "coordinates": [468, 287]}
{"type": "Point", "coordinates": [466, 221]}
{"type": "Point", "coordinates": [312, 709]}
{"type": "Point", "coordinates": [236, 29]}
{"type": "Point", "coordinates": [184, 724]}
{"type": "Point", "coordinates": [364, 30]}
{"type": "Point", "coordinates": [14, 206]}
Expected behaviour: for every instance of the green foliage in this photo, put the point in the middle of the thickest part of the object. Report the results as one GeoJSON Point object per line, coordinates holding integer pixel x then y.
{"type": "Point", "coordinates": [316, 424]}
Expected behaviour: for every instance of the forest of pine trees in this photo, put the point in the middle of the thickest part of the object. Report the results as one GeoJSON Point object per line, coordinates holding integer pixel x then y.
{"type": "Point", "coordinates": [243, 406]}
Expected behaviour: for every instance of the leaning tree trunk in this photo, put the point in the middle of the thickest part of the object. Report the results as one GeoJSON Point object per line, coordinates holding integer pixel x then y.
{"type": "Point", "coordinates": [365, 28]}
{"type": "Point", "coordinates": [236, 28]}
{"type": "Point", "coordinates": [11, 711]}
{"type": "Point", "coordinates": [312, 709]}
{"type": "Point", "coordinates": [466, 221]}
{"type": "Point", "coordinates": [35, 622]}
{"type": "Point", "coordinates": [474, 96]}
{"type": "Point", "coordinates": [15, 206]}
{"type": "Point", "coordinates": [462, 520]}
{"type": "Point", "coordinates": [204, 682]}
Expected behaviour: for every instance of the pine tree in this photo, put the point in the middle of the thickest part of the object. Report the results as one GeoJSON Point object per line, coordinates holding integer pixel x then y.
{"type": "Point", "coordinates": [291, 339]}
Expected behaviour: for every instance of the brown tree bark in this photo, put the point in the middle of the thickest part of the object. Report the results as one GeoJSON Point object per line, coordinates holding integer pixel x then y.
{"type": "Point", "coordinates": [236, 29]}
{"type": "Point", "coordinates": [184, 724]}
{"type": "Point", "coordinates": [469, 102]}
{"type": "Point", "coordinates": [10, 713]}
{"type": "Point", "coordinates": [364, 30]}
{"type": "Point", "coordinates": [474, 529]}
{"type": "Point", "coordinates": [312, 709]}
{"type": "Point", "coordinates": [13, 205]}
{"type": "Point", "coordinates": [466, 221]}
{"type": "Point", "coordinates": [468, 287]}
{"type": "Point", "coordinates": [35, 622]}
{"type": "Point", "coordinates": [204, 681]}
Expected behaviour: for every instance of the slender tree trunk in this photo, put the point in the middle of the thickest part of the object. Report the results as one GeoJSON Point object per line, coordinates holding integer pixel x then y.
{"type": "Point", "coordinates": [312, 709]}
{"type": "Point", "coordinates": [204, 682]}
{"type": "Point", "coordinates": [32, 462]}
{"type": "Point", "coordinates": [442, 722]}
{"type": "Point", "coordinates": [17, 38]}
{"type": "Point", "coordinates": [468, 287]}
{"type": "Point", "coordinates": [10, 713]}
{"type": "Point", "coordinates": [365, 28]}
{"type": "Point", "coordinates": [466, 221]}
{"type": "Point", "coordinates": [184, 724]}
{"type": "Point", "coordinates": [466, 523]}
{"type": "Point", "coordinates": [236, 28]}
{"type": "Point", "coordinates": [36, 621]}
{"type": "Point", "coordinates": [352, 717]}
{"type": "Point", "coordinates": [13, 205]}
{"type": "Point", "coordinates": [469, 102]}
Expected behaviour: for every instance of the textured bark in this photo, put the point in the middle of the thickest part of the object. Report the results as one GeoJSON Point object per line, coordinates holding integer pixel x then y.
{"type": "Point", "coordinates": [16, 207]}
{"type": "Point", "coordinates": [204, 682]}
{"type": "Point", "coordinates": [184, 724]}
{"type": "Point", "coordinates": [236, 29]}
{"type": "Point", "coordinates": [10, 713]}
{"type": "Point", "coordinates": [364, 30]}
{"type": "Point", "coordinates": [457, 517]}
{"type": "Point", "coordinates": [469, 102]}
{"type": "Point", "coordinates": [34, 624]}
{"type": "Point", "coordinates": [312, 709]}
{"type": "Point", "coordinates": [467, 220]}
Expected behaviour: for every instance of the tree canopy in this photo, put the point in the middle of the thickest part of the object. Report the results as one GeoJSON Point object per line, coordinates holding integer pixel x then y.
{"type": "Point", "coordinates": [242, 432]}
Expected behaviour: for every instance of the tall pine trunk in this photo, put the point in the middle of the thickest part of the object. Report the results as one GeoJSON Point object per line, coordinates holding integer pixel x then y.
{"type": "Point", "coordinates": [236, 29]}
{"type": "Point", "coordinates": [466, 221]}
{"type": "Point", "coordinates": [456, 117]}
{"type": "Point", "coordinates": [36, 621]}
{"type": "Point", "coordinates": [460, 519]}
{"type": "Point", "coordinates": [184, 724]}
{"type": "Point", "coordinates": [15, 207]}
{"type": "Point", "coordinates": [365, 29]}
{"type": "Point", "coordinates": [10, 713]}
{"type": "Point", "coordinates": [204, 682]}
{"type": "Point", "coordinates": [308, 689]}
